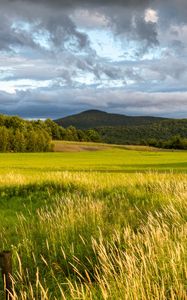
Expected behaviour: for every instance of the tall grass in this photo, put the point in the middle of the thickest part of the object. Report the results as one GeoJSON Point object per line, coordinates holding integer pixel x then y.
{"type": "Point", "coordinates": [99, 236]}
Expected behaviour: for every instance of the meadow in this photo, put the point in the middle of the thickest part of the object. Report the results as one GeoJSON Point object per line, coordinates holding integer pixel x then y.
{"type": "Point", "coordinates": [106, 223]}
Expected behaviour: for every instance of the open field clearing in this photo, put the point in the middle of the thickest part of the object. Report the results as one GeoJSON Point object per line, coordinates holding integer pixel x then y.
{"type": "Point", "coordinates": [106, 158]}
{"type": "Point", "coordinates": [108, 224]}
{"type": "Point", "coordinates": [68, 146]}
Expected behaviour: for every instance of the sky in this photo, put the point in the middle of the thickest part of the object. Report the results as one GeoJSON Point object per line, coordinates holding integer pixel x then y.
{"type": "Point", "coordinates": [60, 57]}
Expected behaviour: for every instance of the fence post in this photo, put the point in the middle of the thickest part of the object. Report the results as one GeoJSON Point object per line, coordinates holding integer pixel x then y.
{"type": "Point", "coordinates": [6, 265]}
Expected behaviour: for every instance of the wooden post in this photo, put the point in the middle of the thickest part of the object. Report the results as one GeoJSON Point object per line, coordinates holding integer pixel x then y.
{"type": "Point", "coordinates": [6, 265]}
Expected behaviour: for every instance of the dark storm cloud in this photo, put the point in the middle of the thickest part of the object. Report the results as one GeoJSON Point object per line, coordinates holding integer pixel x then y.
{"type": "Point", "coordinates": [62, 29]}
{"type": "Point", "coordinates": [56, 19]}
{"type": "Point", "coordinates": [64, 38]}
{"type": "Point", "coordinates": [126, 17]}
{"type": "Point", "coordinates": [65, 41]}
{"type": "Point", "coordinates": [57, 24]}
{"type": "Point", "coordinates": [174, 9]}
{"type": "Point", "coordinates": [44, 102]}
{"type": "Point", "coordinates": [171, 10]}
{"type": "Point", "coordinates": [75, 3]}
{"type": "Point", "coordinates": [9, 37]}
{"type": "Point", "coordinates": [132, 26]}
{"type": "Point", "coordinates": [147, 31]}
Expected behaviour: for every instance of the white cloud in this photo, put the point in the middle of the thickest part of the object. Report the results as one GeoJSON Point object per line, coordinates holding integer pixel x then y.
{"type": "Point", "coordinates": [12, 86]}
{"type": "Point", "coordinates": [89, 19]}
{"type": "Point", "coordinates": [151, 15]}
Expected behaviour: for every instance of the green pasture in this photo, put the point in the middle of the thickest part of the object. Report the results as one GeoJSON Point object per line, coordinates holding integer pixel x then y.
{"type": "Point", "coordinates": [118, 160]}
{"type": "Point", "coordinates": [95, 225]}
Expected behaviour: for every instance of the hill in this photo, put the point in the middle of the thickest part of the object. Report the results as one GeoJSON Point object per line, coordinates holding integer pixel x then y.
{"type": "Point", "coordinates": [122, 129]}
{"type": "Point", "coordinates": [151, 134]}
{"type": "Point", "coordinates": [96, 118]}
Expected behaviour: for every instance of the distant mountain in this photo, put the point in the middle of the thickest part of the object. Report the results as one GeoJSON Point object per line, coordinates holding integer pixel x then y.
{"type": "Point", "coordinates": [122, 129]}
{"type": "Point", "coordinates": [96, 118]}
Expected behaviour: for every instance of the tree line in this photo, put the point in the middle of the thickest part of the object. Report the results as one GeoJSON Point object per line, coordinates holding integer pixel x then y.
{"type": "Point", "coordinates": [175, 142]}
{"type": "Point", "coordinates": [27, 140]}
{"type": "Point", "coordinates": [19, 135]}
{"type": "Point", "coordinates": [159, 133]}
{"type": "Point", "coordinates": [70, 133]}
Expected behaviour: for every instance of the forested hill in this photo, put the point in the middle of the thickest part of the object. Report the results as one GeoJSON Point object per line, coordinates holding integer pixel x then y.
{"type": "Point", "coordinates": [96, 118]}
{"type": "Point", "coordinates": [153, 134]}
{"type": "Point", "coordinates": [19, 135]}
{"type": "Point", "coordinates": [121, 129]}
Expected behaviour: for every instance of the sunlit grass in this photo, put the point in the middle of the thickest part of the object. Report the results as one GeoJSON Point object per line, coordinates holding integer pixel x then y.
{"type": "Point", "coordinates": [94, 235]}
{"type": "Point", "coordinates": [106, 160]}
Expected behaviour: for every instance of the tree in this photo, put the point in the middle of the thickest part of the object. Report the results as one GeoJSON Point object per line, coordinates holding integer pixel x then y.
{"type": "Point", "coordinates": [71, 134]}
{"type": "Point", "coordinates": [82, 135]}
{"type": "Point", "coordinates": [4, 139]}
{"type": "Point", "coordinates": [93, 135]}
{"type": "Point", "coordinates": [53, 129]}
{"type": "Point", "coordinates": [19, 141]}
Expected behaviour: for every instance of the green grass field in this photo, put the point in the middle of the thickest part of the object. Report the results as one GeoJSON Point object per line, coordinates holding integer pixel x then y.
{"type": "Point", "coordinates": [106, 224]}
{"type": "Point", "coordinates": [111, 159]}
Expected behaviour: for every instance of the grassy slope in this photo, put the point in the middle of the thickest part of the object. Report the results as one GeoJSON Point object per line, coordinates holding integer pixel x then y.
{"type": "Point", "coordinates": [95, 235]}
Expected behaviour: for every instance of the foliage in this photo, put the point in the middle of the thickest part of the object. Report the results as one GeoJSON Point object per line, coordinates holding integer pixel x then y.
{"type": "Point", "coordinates": [24, 141]}
{"type": "Point", "coordinates": [175, 142]}
{"type": "Point", "coordinates": [71, 133]}
{"type": "Point", "coordinates": [18, 135]}
{"type": "Point", "coordinates": [93, 135]}
{"type": "Point", "coordinates": [143, 134]}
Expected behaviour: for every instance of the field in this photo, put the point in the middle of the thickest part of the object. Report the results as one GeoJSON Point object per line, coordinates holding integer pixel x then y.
{"type": "Point", "coordinates": [95, 222]}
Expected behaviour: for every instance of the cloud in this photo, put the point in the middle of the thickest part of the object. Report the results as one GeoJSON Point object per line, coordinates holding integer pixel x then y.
{"type": "Point", "coordinates": [59, 18]}
{"type": "Point", "coordinates": [10, 37]}
{"type": "Point", "coordinates": [89, 19]}
{"type": "Point", "coordinates": [75, 3]}
{"type": "Point", "coordinates": [131, 19]}
{"type": "Point", "coordinates": [21, 24]}
{"type": "Point", "coordinates": [49, 103]}
{"type": "Point", "coordinates": [49, 62]}
{"type": "Point", "coordinates": [151, 15]}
